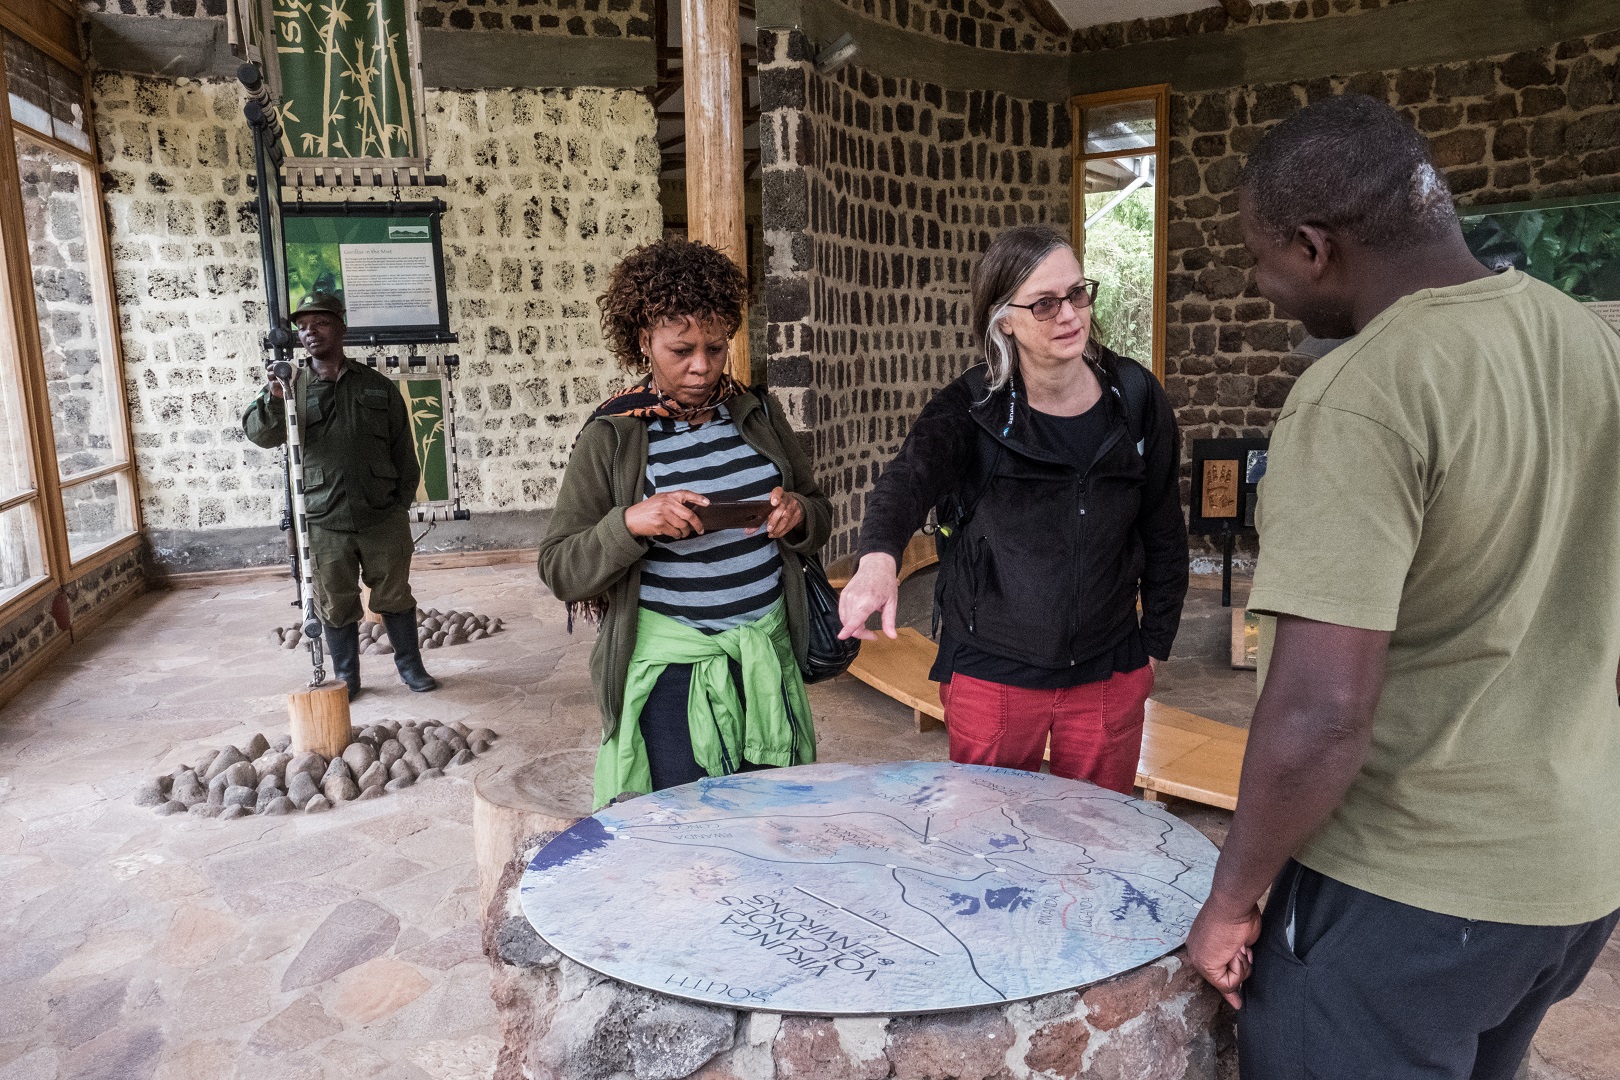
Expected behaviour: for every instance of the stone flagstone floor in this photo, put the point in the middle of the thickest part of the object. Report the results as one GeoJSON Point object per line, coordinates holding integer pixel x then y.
{"type": "Point", "coordinates": [345, 945]}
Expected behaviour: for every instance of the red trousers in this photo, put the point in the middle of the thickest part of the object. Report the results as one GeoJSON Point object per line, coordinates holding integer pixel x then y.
{"type": "Point", "coordinates": [1095, 729]}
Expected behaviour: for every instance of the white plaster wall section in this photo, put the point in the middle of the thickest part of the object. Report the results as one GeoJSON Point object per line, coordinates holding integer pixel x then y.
{"type": "Point", "coordinates": [547, 189]}
{"type": "Point", "coordinates": [186, 274]}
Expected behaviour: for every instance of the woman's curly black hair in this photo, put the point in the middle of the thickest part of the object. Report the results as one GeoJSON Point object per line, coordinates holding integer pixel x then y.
{"type": "Point", "coordinates": [668, 279]}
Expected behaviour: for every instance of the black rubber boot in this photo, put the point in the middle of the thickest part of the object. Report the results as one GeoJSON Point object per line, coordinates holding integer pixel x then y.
{"type": "Point", "coordinates": [343, 646]}
{"type": "Point", "coordinates": [407, 652]}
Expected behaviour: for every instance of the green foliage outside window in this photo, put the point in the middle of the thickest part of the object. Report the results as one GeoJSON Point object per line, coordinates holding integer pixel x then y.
{"type": "Point", "coordinates": [1119, 255]}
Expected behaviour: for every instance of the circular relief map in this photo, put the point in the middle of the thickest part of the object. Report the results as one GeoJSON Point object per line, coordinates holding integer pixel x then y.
{"type": "Point", "coordinates": [855, 889]}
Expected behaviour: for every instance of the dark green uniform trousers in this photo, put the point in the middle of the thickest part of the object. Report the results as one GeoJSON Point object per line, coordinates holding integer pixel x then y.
{"type": "Point", "coordinates": [379, 555]}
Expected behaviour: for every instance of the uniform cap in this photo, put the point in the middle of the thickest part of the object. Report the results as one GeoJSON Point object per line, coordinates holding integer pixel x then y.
{"type": "Point", "coordinates": [320, 301]}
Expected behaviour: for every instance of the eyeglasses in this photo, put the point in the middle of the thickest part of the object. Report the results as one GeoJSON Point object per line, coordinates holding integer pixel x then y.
{"type": "Point", "coordinates": [1046, 309]}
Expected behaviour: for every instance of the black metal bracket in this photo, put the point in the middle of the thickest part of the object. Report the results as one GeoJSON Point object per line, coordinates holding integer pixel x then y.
{"type": "Point", "coordinates": [1228, 536]}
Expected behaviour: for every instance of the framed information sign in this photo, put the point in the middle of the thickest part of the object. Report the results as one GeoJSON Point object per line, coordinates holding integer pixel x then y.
{"type": "Point", "coordinates": [384, 259]}
{"type": "Point", "coordinates": [1225, 483]}
{"type": "Point", "coordinates": [1225, 476]}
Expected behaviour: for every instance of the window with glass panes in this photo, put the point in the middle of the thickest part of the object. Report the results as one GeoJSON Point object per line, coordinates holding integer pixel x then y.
{"type": "Point", "coordinates": [67, 487]}
{"type": "Point", "coordinates": [1119, 213]}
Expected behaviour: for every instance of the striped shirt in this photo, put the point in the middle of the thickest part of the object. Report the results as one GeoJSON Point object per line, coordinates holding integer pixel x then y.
{"type": "Point", "coordinates": [718, 580]}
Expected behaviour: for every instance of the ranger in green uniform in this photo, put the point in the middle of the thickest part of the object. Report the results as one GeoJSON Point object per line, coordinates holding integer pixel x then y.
{"type": "Point", "coordinates": [360, 473]}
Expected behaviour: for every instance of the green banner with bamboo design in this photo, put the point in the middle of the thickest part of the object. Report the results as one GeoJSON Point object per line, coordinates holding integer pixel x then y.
{"type": "Point", "coordinates": [424, 403]}
{"type": "Point", "coordinates": [348, 87]}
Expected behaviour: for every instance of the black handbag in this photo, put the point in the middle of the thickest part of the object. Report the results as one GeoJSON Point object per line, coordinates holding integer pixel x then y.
{"type": "Point", "coordinates": [827, 657]}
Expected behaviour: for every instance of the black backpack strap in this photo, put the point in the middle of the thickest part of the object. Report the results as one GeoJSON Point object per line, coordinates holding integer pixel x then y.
{"type": "Point", "coordinates": [1132, 386]}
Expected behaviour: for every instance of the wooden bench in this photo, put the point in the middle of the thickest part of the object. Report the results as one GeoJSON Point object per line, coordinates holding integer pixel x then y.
{"type": "Point", "coordinates": [920, 554]}
{"type": "Point", "coordinates": [899, 668]}
{"type": "Point", "coordinates": [1183, 754]}
{"type": "Point", "coordinates": [1190, 756]}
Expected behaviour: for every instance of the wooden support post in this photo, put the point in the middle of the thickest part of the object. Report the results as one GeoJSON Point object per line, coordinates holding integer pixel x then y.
{"type": "Point", "coordinates": [320, 720]}
{"type": "Point", "coordinates": [711, 72]}
{"type": "Point", "coordinates": [515, 804]}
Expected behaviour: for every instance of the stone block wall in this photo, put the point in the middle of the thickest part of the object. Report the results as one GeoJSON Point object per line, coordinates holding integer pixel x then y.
{"type": "Point", "coordinates": [1537, 124]}
{"type": "Point", "coordinates": [190, 296]}
{"type": "Point", "coordinates": [176, 9]}
{"type": "Point", "coordinates": [879, 193]}
{"type": "Point", "coordinates": [565, 18]}
{"type": "Point", "coordinates": [547, 188]}
{"type": "Point", "coordinates": [94, 592]}
{"type": "Point", "coordinates": [1004, 25]}
{"type": "Point", "coordinates": [1216, 19]}
{"type": "Point", "coordinates": [25, 634]}
{"type": "Point", "coordinates": [90, 598]}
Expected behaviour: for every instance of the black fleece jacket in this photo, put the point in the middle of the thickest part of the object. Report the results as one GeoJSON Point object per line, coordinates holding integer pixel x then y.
{"type": "Point", "coordinates": [1047, 566]}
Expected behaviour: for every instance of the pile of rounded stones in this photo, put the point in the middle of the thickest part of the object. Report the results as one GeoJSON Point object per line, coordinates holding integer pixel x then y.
{"type": "Point", "coordinates": [262, 777]}
{"type": "Point", "coordinates": [434, 628]}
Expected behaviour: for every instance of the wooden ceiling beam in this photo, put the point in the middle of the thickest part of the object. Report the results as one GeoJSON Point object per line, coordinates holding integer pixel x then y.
{"type": "Point", "coordinates": [1047, 17]}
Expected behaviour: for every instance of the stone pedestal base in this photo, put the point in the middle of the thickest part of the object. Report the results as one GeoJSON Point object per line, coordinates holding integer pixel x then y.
{"type": "Point", "coordinates": [562, 1021]}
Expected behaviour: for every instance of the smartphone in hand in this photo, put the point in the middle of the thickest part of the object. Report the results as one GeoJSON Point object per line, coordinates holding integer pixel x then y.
{"type": "Point", "coordinates": [733, 515]}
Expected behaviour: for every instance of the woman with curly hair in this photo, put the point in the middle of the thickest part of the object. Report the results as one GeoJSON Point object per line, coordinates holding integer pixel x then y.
{"type": "Point", "coordinates": [702, 631]}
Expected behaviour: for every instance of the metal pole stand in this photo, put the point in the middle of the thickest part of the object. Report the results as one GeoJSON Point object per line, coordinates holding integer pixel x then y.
{"type": "Point", "coordinates": [285, 373]}
{"type": "Point", "coordinates": [267, 157]}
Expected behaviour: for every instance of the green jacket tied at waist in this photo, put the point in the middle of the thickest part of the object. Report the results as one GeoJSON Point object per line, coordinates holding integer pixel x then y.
{"type": "Point", "coordinates": [588, 550]}
{"type": "Point", "coordinates": [359, 461]}
{"type": "Point", "coordinates": [769, 724]}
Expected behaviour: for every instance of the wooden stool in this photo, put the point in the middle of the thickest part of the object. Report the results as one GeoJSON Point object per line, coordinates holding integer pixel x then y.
{"type": "Point", "coordinates": [319, 720]}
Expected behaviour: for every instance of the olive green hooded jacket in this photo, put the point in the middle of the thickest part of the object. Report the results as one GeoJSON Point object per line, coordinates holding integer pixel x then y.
{"type": "Point", "coordinates": [588, 551]}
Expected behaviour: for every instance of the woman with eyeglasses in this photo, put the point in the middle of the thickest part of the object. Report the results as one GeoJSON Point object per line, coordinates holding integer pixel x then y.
{"type": "Point", "coordinates": [1052, 471]}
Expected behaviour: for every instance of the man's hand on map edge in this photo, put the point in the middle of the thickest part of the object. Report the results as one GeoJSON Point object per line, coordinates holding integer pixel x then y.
{"type": "Point", "coordinates": [1220, 947]}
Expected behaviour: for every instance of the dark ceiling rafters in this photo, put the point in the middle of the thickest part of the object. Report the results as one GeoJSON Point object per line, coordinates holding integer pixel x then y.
{"type": "Point", "coordinates": [668, 88]}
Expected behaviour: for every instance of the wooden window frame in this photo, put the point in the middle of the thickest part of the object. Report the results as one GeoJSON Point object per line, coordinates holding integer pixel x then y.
{"type": "Point", "coordinates": [48, 26]}
{"type": "Point", "coordinates": [1159, 94]}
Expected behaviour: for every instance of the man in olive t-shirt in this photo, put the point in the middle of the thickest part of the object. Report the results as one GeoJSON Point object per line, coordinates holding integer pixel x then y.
{"type": "Point", "coordinates": [1434, 763]}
